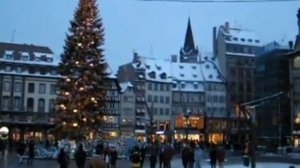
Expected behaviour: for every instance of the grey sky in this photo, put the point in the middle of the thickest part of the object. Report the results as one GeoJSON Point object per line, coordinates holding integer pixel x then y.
{"type": "Point", "coordinates": [154, 29]}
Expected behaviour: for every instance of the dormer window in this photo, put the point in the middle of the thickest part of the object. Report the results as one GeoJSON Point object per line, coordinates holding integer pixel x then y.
{"type": "Point", "coordinates": [31, 70]}
{"type": "Point", "coordinates": [228, 38]}
{"type": "Point", "coordinates": [9, 56]}
{"type": "Point", "coordinates": [25, 57]}
{"type": "Point", "coordinates": [181, 67]}
{"type": "Point", "coordinates": [163, 76]}
{"type": "Point", "coordinates": [193, 67]}
{"type": "Point", "coordinates": [205, 58]}
{"type": "Point", "coordinates": [182, 85]}
{"type": "Point", "coordinates": [158, 67]}
{"type": "Point", "coordinates": [207, 66]}
{"type": "Point", "coordinates": [174, 85]}
{"type": "Point", "coordinates": [210, 76]}
{"type": "Point", "coordinates": [194, 75]}
{"type": "Point", "coordinates": [243, 40]}
{"type": "Point", "coordinates": [49, 59]}
{"type": "Point", "coordinates": [8, 68]}
{"type": "Point", "coordinates": [37, 59]}
{"type": "Point", "coordinates": [250, 40]}
{"type": "Point", "coordinates": [148, 66]}
{"type": "Point", "coordinates": [18, 69]}
{"type": "Point", "coordinates": [152, 75]}
{"type": "Point", "coordinates": [195, 86]}
{"type": "Point", "coordinates": [235, 38]}
{"type": "Point", "coordinates": [53, 72]}
{"type": "Point", "coordinates": [256, 41]}
{"type": "Point", "coordinates": [182, 75]}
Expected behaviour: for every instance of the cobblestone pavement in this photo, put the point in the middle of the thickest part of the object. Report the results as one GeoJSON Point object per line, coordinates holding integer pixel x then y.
{"type": "Point", "coordinates": [11, 161]}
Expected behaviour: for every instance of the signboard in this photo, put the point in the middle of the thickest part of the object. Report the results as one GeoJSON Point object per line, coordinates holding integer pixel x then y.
{"type": "Point", "coordinates": [196, 122]}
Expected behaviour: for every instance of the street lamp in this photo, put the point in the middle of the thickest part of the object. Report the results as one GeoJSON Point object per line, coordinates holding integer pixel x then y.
{"type": "Point", "coordinates": [187, 124]}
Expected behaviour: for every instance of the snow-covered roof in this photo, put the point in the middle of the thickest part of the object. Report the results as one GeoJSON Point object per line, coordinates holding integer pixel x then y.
{"type": "Point", "coordinates": [125, 85]}
{"type": "Point", "coordinates": [39, 54]}
{"type": "Point", "coordinates": [109, 72]}
{"type": "Point", "coordinates": [186, 71]}
{"type": "Point", "coordinates": [210, 68]}
{"type": "Point", "coordinates": [272, 46]}
{"type": "Point", "coordinates": [184, 76]}
{"type": "Point", "coordinates": [239, 36]}
{"type": "Point", "coordinates": [156, 70]}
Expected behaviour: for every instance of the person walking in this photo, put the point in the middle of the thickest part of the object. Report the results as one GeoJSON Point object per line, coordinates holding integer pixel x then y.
{"type": "Point", "coordinates": [190, 157]}
{"type": "Point", "coordinates": [21, 150]}
{"type": "Point", "coordinates": [136, 158]}
{"type": "Point", "coordinates": [113, 157]}
{"type": "Point", "coordinates": [221, 156]}
{"type": "Point", "coordinates": [161, 156]}
{"type": "Point", "coordinates": [97, 160]}
{"type": "Point", "coordinates": [80, 157]}
{"type": "Point", "coordinates": [153, 151]}
{"type": "Point", "coordinates": [198, 156]}
{"type": "Point", "coordinates": [143, 151]}
{"type": "Point", "coordinates": [213, 157]}
{"type": "Point", "coordinates": [184, 156]}
{"type": "Point", "coordinates": [30, 152]}
{"type": "Point", "coordinates": [63, 159]}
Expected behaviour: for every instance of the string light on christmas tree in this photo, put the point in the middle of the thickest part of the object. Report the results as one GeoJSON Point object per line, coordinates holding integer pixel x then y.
{"type": "Point", "coordinates": [67, 93]}
{"type": "Point", "coordinates": [68, 79]}
{"type": "Point", "coordinates": [77, 62]}
{"type": "Point", "coordinates": [79, 45]}
{"type": "Point", "coordinates": [75, 110]}
{"type": "Point", "coordinates": [81, 88]}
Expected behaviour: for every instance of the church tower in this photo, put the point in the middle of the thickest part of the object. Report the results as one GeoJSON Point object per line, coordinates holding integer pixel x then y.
{"type": "Point", "coordinates": [189, 53]}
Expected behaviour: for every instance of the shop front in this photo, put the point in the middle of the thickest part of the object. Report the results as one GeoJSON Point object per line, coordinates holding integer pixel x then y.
{"type": "Point", "coordinates": [191, 128]}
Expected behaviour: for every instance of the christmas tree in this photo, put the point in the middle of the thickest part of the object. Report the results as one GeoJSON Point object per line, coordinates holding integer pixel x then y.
{"type": "Point", "coordinates": [81, 97]}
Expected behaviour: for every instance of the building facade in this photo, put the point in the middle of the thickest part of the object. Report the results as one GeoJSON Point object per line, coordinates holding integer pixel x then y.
{"type": "Point", "coordinates": [28, 77]}
{"type": "Point", "coordinates": [127, 115]}
{"type": "Point", "coordinates": [273, 116]}
{"type": "Point", "coordinates": [294, 65]}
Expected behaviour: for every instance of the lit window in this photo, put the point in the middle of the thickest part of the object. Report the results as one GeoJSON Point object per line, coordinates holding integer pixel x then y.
{"type": "Point", "coordinates": [296, 62]}
{"type": "Point", "coordinates": [6, 86]}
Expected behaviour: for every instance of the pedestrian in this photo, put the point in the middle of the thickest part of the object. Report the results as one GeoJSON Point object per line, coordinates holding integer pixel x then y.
{"type": "Point", "coordinates": [220, 156]}
{"type": "Point", "coordinates": [198, 156]}
{"type": "Point", "coordinates": [191, 157]}
{"type": "Point", "coordinates": [97, 160]}
{"type": "Point", "coordinates": [113, 157]}
{"type": "Point", "coordinates": [30, 152]}
{"type": "Point", "coordinates": [80, 156]}
{"type": "Point", "coordinates": [213, 156]}
{"type": "Point", "coordinates": [153, 151]}
{"type": "Point", "coordinates": [21, 151]}
{"type": "Point", "coordinates": [63, 159]}
{"type": "Point", "coordinates": [143, 151]}
{"type": "Point", "coordinates": [2, 147]}
{"type": "Point", "coordinates": [184, 156]}
{"type": "Point", "coordinates": [136, 158]}
{"type": "Point", "coordinates": [168, 155]}
{"type": "Point", "coordinates": [161, 156]}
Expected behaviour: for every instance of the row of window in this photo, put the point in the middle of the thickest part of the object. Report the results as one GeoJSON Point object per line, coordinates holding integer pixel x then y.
{"type": "Point", "coordinates": [17, 104]}
{"type": "Point", "coordinates": [162, 99]}
{"type": "Point", "coordinates": [158, 86]}
{"type": "Point", "coordinates": [215, 87]}
{"type": "Point", "coordinates": [18, 87]}
{"type": "Point", "coordinates": [215, 98]}
{"type": "Point", "coordinates": [161, 111]}
{"type": "Point", "coordinates": [240, 49]}
{"type": "Point", "coordinates": [189, 98]}
{"type": "Point", "coordinates": [241, 72]}
{"type": "Point", "coordinates": [215, 110]}
{"type": "Point", "coordinates": [10, 56]}
{"type": "Point", "coordinates": [30, 69]}
{"type": "Point", "coordinates": [183, 85]}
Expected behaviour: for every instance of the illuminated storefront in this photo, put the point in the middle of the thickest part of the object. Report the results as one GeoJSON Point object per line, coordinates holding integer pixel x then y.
{"type": "Point", "coordinates": [191, 128]}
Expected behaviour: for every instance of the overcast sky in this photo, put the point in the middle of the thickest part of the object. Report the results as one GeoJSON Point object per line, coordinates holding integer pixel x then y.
{"type": "Point", "coordinates": [153, 29]}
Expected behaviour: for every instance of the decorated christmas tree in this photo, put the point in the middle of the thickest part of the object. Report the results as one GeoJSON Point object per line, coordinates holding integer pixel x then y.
{"type": "Point", "coordinates": [81, 98]}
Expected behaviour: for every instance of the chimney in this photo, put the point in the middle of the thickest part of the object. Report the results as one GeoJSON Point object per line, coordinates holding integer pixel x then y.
{"type": "Point", "coordinates": [291, 45]}
{"type": "Point", "coordinates": [227, 26]}
{"type": "Point", "coordinates": [135, 57]}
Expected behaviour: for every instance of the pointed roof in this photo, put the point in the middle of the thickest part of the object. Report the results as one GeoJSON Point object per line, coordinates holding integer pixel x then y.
{"type": "Point", "coordinates": [189, 39]}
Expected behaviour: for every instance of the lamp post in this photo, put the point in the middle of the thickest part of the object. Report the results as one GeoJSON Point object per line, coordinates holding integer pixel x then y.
{"type": "Point", "coordinates": [187, 124]}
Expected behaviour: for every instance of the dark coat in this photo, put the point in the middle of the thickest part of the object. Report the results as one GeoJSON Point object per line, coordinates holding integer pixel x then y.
{"type": "Point", "coordinates": [80, 157]}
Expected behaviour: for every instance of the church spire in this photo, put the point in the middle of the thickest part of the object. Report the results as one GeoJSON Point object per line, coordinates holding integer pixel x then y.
{"type": "Point", "coordinates": [189, 52]}
{"type": "Point", "coordinates": [189, 39]}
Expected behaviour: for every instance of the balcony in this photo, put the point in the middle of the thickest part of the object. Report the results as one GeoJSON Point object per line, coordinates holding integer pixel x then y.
{"type": "Point", "coordinates": [111, 112]}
